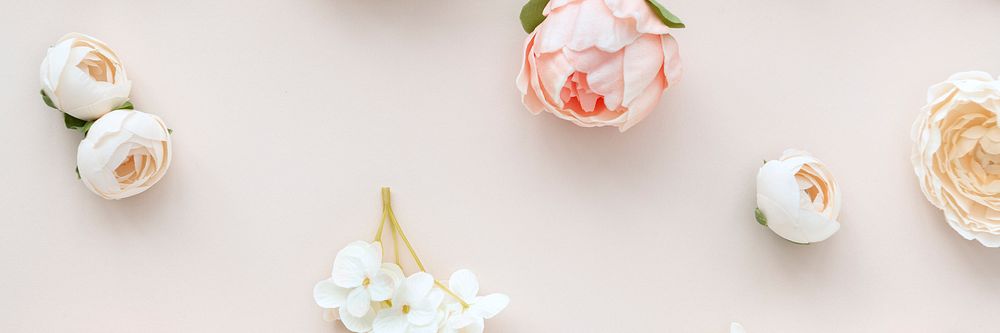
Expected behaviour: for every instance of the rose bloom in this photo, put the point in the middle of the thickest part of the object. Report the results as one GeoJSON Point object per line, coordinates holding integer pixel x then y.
{"type": "Point", "coordinates": [598, 62]}
{"type": "Point", "coordinates": [125, 152]}
{"type": "Point", "coordinates": [83, 77]}
{"type": "Point", "coordinates": [956, 154]}
{"type": "Point", "coordinates": [798, 198]}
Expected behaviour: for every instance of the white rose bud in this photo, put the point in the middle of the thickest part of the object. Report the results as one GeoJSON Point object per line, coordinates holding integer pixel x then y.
{"type": "Point", "coordinates": [797, 198]}
{"type": "Point", "coordinates": [83, 77]}
{"type": "Point", "coordinates": [125, 152]}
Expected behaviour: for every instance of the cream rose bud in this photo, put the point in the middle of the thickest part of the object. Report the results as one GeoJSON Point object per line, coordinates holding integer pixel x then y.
{"type": "Point", "coordinates": [125, 152]}
{"type": "Point", "coordinates": [83, 77]}
{"type": "Point", "coordinates": [956, 154]}
{"type": "Point", "coordinates": [797, 198]}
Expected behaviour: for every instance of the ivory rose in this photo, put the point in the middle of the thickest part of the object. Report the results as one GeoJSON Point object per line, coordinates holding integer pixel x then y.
{"type": "Point", "coordinates": [956, 154]}
{"type": "Point", "coordinates": [83, 77]}
{"type": "Point", "coordinates": [125, 152]}
{"type": "Point", "coordinates": [598, 62]}
{"type": "Point", "coordinates": [797, 198]}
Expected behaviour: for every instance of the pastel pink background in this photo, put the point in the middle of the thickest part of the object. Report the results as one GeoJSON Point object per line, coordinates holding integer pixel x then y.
{"type": "Point", "coordinates": [290, 114]}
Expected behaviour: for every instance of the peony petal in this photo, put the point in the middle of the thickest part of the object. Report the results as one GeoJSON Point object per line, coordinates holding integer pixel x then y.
{"type": "Point", "coordinates": [638, 11]}
{"type": "Point", "coordinates": [643, 105]}
{"type": "Point", "coordinates": [528, 97]}
{"type": "Point", "coordinates": [604, 73]}
{"type": "Point", "coordinates": [642, 62]}
{"type": "Point", "coordinates": [555, 4]}
{"type": "Point", "coordinates": [672, 68]}
{"type": "Point", "coordinates": [593, 27]}
{"type": "Point", "coordinates": [329, 295]}
{"type": "Point", "coordinates": [553, 69]}
{"type": "Point", "coordinates": [556, 30]}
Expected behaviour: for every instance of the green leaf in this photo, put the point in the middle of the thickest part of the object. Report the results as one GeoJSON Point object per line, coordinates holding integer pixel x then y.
{"type": "Point", "coordinates": [77, 172]}
{"type": "Point", "coordinates": [74, 123]}
{"type": "Point", "coordinates": [665, 15]}
{"type": "Point", "coordinates": [86, 127]}
{"type": "Point", "coordinates": [759, 215]}
{"type": "Point", "coordinates": [531, 14]}
{"type": "Point", "coordinates": [125, 106]}
{"type": "Point", "coordinates": [170, 131]}
{"type": "Point", "coordinates": [47, 100]}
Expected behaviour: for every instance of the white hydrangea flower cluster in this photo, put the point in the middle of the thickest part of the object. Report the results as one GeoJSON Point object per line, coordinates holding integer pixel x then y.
{"type": "Point", "coordinates": [369, 295]}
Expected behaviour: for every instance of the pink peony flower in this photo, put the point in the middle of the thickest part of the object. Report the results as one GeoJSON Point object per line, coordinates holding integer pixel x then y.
{"type": "Point", "coordinates": [598, 62]}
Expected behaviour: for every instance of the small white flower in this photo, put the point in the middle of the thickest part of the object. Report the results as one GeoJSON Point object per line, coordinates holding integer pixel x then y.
{"type": "Point", "coordinates": [798, 198]}
{"type": "Point", "coordinates": [125, 153]}
{"type": "Point", "coordinates": [736, 328]}
{"type": "Point", "coordinates": [414, 307]}
{"type": "Point", "coordinates": [359, 278]}
{"type": "Point", "coordinates": [84, 77]}
{"type": "Point", "coordinates": [470, 319]}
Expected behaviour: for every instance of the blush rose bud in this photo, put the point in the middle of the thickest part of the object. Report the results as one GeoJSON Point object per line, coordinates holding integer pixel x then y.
{"type": "Point", "coordinates": [598, 62]}
{"type": "Point", "coordinates": [797, 198]}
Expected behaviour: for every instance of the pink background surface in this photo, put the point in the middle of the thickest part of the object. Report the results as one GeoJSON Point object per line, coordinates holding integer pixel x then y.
{"type": "Point", "coordinates": [289, 116]}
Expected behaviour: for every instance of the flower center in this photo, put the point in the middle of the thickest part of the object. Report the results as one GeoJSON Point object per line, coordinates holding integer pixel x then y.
{"type": "Point", "coordinates": [98, 67]}
{"type": "Point", "coordinates": [811, 191]}
{"type": "Point", "coordinates": [406, 309]}
{"type": "Point", "coordinates": [577, 96]}
{"type": "Point", "coordinates": [366, 282]}
{"type": "Point", "coordinates": [977, 151]}
{"type": "Point", "coordinates": [134, 169]}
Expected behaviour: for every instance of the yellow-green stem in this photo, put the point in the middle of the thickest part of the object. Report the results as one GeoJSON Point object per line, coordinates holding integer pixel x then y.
{"type": "Point", "coordinates": [398, 230]}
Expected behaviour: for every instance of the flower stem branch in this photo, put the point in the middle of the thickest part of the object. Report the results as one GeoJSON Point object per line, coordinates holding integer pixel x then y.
{"type": "Point", "coordinates": [398, 230]}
